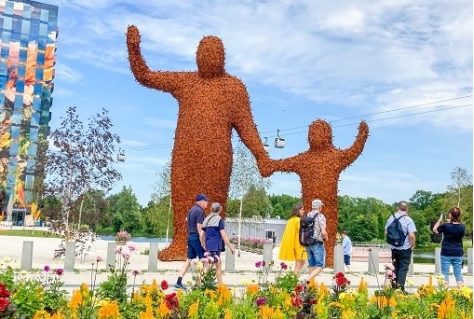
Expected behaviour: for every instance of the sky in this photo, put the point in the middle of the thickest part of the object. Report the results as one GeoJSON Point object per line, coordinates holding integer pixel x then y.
{"type": "Point", "coordinates": [405, 67]}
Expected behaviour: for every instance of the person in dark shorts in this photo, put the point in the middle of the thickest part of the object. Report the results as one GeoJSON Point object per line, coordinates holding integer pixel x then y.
{"type": "Point", "coordinates": [347, 250]}
{"type": "Point", "coordinates": [214, 237]}
{"type": "Point", "coordinates": [194, 219]}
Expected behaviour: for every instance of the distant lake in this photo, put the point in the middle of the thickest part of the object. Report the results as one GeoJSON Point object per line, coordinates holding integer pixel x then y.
{"type": "Point", "coordinates": [428, 257]}
{"type": "Point", "coordinates": [138, 239]}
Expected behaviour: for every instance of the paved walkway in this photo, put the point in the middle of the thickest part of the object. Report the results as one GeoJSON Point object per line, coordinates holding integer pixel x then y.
{"type": "Point", "coordinates": [245, 270]}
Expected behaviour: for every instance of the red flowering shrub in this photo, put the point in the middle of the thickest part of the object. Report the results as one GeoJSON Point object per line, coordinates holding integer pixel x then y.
{"type": "Point", "coordinates": [4, 297]}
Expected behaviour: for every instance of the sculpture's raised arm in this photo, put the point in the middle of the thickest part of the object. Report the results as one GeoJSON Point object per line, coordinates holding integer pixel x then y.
{"type": "Point", "coordinates": [160, 80]}
{"type": "Point", "coordinates": [349, 155]}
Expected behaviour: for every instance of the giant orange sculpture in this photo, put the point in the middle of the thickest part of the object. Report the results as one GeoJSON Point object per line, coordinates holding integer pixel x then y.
{"type": "Point", "coordinates": [319, 169]}
{"type": "Point", "coordinates": [211, 104]}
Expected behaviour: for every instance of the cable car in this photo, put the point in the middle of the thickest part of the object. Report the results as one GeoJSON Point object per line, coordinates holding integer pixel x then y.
{"type": "Point", "coordinates": [266, 147]}
{"type": "Point", "coordinates": [121, 155]}
{"type": "Point", "coordinates": [279, 142]}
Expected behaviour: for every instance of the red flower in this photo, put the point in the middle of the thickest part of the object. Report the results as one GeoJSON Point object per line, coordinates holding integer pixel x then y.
{"type": "Point", "coordinates": [4, 292]}
{"type": "Point", "coordinates": [3, 303]}
{"type": "Point", "coordinates": [341, 281]}
{"type": "Point", "coordinates": [339, 275]}
{"type": "Point", "coordinates": [299, 288]}
{"type": "Point", "coordinates": [296, 301]}
{"type": "Point", "coordinates": [171, 301]}
{"type": "Point", "coordinates": [164, 285]}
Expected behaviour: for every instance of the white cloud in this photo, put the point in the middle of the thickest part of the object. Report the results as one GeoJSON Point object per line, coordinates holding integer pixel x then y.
{"type": "Point", "coordinates": [67, 74]}
{"type": "Point", "coordinates": [160, 123]}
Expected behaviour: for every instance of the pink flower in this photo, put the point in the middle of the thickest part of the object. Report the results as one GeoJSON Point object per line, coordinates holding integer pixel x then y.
{"type": "Point", "coordinates": [47, 268]}
{"type": "Point", "coordinates": [118, 250]}
{"type": "Point", "coordinates": [99, 259]}
{"type": "Point", "coordinates": [126, 254]}
{"type": "Point", "coordinates": [260, 301]}
{"type": "Point", "coordinates": [206, 254]}
{"type": "Point", "coordinates": [136, 272]}
{"type": "Point", "coordinates": [59, 271]}
{"type": "Point", "coordinates": [132, 247]}
{"type": "Point", "coordinates": [283, 266]}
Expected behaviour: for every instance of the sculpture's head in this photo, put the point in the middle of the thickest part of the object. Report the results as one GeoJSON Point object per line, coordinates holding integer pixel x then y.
{"type": "Point", "coordinates": [319, 135]}
{"type": "Point", "coordinates": [210, 57]}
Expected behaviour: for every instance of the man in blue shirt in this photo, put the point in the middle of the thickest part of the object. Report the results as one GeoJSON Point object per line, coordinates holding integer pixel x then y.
{"type": "Point", "coordinates": [194, 219]}
{"type": "Point", "coordinates": [401, 256]}
{"type": "Point", "coordinates": [347, 250]}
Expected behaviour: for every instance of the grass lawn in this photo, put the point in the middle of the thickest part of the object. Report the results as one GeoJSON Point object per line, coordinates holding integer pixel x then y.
{"type": "Point", "coordinates": [28, 233]}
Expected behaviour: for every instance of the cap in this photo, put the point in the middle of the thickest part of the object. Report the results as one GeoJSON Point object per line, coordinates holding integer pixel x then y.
{"type": "Point", "coordinates": [215, 207]}
{"type": "Point", "coordinates": [201, 197]}
{"type": "Point", "coordinates": [316, 203]}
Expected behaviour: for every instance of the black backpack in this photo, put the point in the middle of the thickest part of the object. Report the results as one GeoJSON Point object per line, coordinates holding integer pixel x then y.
{"type": "Point", "coordinates": [395, 235]}
{"type": "Point", "coordinates": [307, 231]}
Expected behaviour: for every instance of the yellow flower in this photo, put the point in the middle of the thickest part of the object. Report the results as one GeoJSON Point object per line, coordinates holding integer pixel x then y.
{"type": "Point", "coordinates": [163, 310]}
{"type": "Point", "coordinates": [199, 265]}
{"type": "Point", "coordinates": [410, 283]}
{"type": "Point", "coordinates": [42, 314]}
{"type": "Point", "coordinates": [58, 315]}
{"type": "Point", "coordinates": [244, 282]}
{"type": "Point", "coordinates": [224, 295]}
{"type": "Point", "coordinates": [109, 310]}
{"type": "Point", "coordinates": [210, 293]}
{"type": "Point", "coordinates": [193, 310]}
{"type": "Point", "coordinates": [227, 314]}
{"type": "Point", "coordinates": [252, 289]}
{"type": "Point", "coordinates": [348, 314]}
{"type": "Point", "coordinates": [7, 259]}
{"type": "Point", "coordinates": [342, 295]}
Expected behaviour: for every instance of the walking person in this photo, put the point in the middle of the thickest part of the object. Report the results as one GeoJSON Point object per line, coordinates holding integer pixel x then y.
{"type": "Point", "coordinates": [214, 236]}
{"type": "Point", "coordinates": [347, 250]}
{"type": "Point", "coordinates": [194, 219]}
{"type": "Point", "coordinates": [451, 246]}
{"type": "Point", "coordinates": [401, 255]}
{"type": "Point", "coordinates": [317, 252]}
{"type": "Point", "coordinates": [290, 247]}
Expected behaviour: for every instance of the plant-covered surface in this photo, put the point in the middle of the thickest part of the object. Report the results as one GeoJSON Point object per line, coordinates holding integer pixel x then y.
{"type": "Point", "coordinates": [39, 296]}
{"type": "Point", "coordinates": [123, 235]}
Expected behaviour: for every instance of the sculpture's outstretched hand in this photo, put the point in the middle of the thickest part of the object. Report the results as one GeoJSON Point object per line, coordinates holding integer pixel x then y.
{"type": "Point", "coordinates": [265, 166]}
{"type": "Point", "coordinates": [133, 35]}
{"type": "Point", "coordinates": [363, 130]}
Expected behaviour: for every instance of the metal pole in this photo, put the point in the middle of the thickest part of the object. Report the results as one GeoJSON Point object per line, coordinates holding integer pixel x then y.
{"type": "Point", "coordinates": [240, 225]}
{"type": "Point", "coordinates": [168, 226]}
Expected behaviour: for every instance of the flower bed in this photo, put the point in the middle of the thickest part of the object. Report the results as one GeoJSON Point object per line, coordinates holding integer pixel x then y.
{"type": "Point", "coordinates": [40, 296]}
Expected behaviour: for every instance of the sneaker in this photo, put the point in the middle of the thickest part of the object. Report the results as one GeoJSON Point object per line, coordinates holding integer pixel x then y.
{"type": "Point", "coordinates": [179, 286]}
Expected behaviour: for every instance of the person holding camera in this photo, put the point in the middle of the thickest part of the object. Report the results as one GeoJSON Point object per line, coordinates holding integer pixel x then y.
{"type": "Point", "coordinates": [451, 246]}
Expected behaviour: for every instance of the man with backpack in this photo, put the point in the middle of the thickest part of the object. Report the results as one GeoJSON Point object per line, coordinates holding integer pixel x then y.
{"type": "Point", "coordinates": [316, 252]}
{"type": "Point", "coordinates": [400, 232]}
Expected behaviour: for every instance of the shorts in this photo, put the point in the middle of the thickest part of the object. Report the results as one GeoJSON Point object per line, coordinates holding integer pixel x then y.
{"type": "Point", "coordinates": [347, 260]}
{"type": "Point", "coordinates": [316, 255]}
{"type": "Point", "coordinates": [194, 247]}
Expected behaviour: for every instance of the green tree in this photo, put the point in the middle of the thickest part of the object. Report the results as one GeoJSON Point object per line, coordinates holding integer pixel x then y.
{"type": "Point", "coordinates": [256, 203]}
{"type": "Point", "coordinates": [125, 211]}
{"type": "Point", "coordinates": [422, 199]}
{"type": "Point", "coordinates": [155, 217]}
{"type": "Point", "coordinates": [282, 205]}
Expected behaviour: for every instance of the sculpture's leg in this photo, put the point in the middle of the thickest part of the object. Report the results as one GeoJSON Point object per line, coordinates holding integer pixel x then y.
{"type": "Point", "coordinates": [177, 250]}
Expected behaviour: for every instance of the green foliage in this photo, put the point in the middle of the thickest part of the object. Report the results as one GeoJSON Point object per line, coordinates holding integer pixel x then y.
{"type": "Point", "coordinates": [124, 211]}
{"type": "Point", "coordinates": [256, 203]}
{"type": "Point", "coordinates": [282, 205]}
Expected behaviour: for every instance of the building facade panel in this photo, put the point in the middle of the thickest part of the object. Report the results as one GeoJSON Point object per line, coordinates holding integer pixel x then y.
{"type": "Point", "coordinates": [28, 32]}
